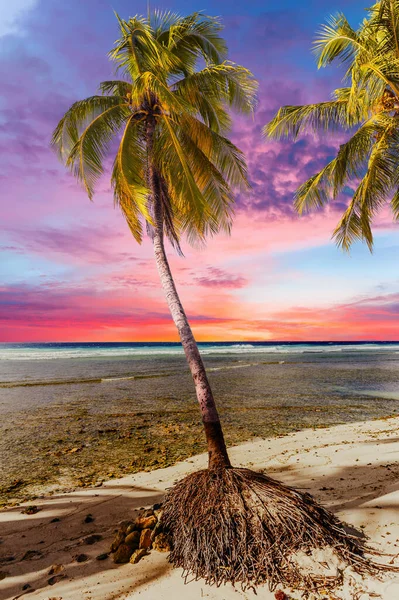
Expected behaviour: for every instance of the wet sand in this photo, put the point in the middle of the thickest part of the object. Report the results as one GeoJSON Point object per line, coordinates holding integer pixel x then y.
{"type": "Point", "coordinates": [80, 422]}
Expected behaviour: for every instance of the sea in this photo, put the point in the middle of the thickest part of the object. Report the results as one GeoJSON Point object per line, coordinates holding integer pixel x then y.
{"type": "Point", "coordinates": [110, 401]}
{"type": "Point", "coordinates": [40, 374]}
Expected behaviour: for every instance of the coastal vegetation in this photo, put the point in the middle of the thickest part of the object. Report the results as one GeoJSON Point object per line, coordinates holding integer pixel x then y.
{"type": "Point", "coordinates": [174, 168]}
{"type": "Point", "coordinates": [367, 106]}
{"type": "Point", "coordinates": [174, 174]}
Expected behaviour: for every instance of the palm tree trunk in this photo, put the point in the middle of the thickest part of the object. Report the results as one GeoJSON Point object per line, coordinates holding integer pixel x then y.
{"type": "Point", "coordinates": [217, 451]}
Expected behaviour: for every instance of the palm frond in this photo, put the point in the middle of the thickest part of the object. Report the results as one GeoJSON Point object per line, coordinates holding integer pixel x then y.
{"type": "Point", "coordinates": [194, 36]}
{"type": "Point", "coordinates": [395, 204]}
{"type": "Point", "coordinates": [170, 119]}
{"type": "Point", "coordinates": [290, 121]}
{"type": "Point", "coordinates": [371, 193]}
{"type": "Point", "coordinates": [116, 88]}
{"type": "Point", "coordinates": [336, 39]}
{"type": "Point", "coordinates": [83, 136]}
{"type": "Point", "coordinates": [368, 107]}
{"type": "Point", "coordinates": [129, 176]}
{"type": "Point", "coordinates": [353, 226]}
{"type": "Point", "coordinates": [229, 82]}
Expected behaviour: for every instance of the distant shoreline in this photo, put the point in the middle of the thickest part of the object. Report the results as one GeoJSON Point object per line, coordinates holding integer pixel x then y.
{"type": "Point", "coordinates": [221, 342]}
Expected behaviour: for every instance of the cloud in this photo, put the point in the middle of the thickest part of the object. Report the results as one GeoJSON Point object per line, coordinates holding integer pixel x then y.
{"type": "Point", "coordinates": [57, 313]}
{"type": "Point", "coordinates": [87, 277]}
{"type": "Point", "coordinates": [81, 243]}
{"type": "Point", "coordinates": [220, 278]}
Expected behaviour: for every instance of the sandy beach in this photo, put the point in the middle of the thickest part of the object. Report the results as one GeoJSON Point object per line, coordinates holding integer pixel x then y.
{"type": "Point", "coordinates": [353, 469]}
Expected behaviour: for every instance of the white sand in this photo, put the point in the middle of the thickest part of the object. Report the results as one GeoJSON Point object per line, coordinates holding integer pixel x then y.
{"type": "Point", "coordinates": [353, 469]}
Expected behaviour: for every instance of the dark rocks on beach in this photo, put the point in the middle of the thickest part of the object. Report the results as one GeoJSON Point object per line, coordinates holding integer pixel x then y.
{"type": "Point", "coordinates": [122, 554]}
{"type": "Point", "coordinates": [130, 528]}
{"type": "Point", "coordinates": [102, 556]}
{"type": "Point", "coordinates": [123, 525]}
{"type": "Point", "coordinates": [89, 518]}
{"type": "Point", "coordinates": [55, 520]}
{"type": "Point", "coordinates": [30, 554]}
{"type": "Point", "coordinates": [118, 540]}
{"type": "Point", "coordinates": [81, 558]}
{"type": "Point", "coordinates": [8, 559]}
{"type": "Point", "coordinates": [143, 522]}
{"type": "Point", "coordinates": [31, 510]}
{"type": "Point", "coordinates": [53, 580]}
{"type": "Point", "coordinates": [138, 555]}
{"type": "Point", "coordinates": [133, 539]}
{"type": "Point", "coordinates": [92, 539]}
{"type": "Point", "coordinates": [162, 543]}
{"type": "Point", "coordinates": [27, 586]}
{"type": "Point", "coordinates": [145, 539]}
{"type": "Point", "coordinates": [56, 569]}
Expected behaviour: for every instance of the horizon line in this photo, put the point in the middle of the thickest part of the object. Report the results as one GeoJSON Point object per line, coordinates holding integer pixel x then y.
{"type": "Point", "coordinates": [370, 341]}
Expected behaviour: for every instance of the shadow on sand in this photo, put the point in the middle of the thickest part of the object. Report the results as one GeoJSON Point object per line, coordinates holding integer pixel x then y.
{"type": "Point", "coordinates": [59, 533]}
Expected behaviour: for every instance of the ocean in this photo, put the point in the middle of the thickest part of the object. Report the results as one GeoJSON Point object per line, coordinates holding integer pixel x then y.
{"type": "Point", "coordinates": [73, 412]}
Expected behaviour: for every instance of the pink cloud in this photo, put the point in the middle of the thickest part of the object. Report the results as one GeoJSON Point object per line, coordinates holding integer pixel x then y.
{"type": "Point", "coordinates": [220, 278]}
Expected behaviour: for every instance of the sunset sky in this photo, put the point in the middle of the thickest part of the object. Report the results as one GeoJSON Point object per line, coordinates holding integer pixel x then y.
{"type": "Point", "coordinates": [70, 270]}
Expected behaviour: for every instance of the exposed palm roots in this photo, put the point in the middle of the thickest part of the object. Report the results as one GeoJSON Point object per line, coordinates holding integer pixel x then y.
{"type": "Point", "coordinates": [238, 526]}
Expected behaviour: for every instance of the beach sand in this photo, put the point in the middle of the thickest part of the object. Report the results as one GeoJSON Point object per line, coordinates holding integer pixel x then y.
{"type": "Point", "coordinates": [353, 469]}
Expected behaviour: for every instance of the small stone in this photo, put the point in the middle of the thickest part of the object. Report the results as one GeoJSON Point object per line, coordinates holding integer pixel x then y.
{"type": "Point", "coordinates": [146, 522]}
{"type": "Point", "coordinates": [89, 518]}
{"type": "Point", "coordinates": [123, 554]}
{"type": "Point", "coordinates": [55, 520]}
{"type": "Point", "coordinates": [56, 578]}
{"type": "Point", "coordinates": [130, 528]}
{"type": "Point", "coordinates": [27, 586]}
{"type": "Point", "coordinates": [123, 525]}
{"type": "Point", "coordinates": [280, 595]}
{"type": "Point", "coordinates": [102, 556]}
{"type": "Point", "coordinates": [92, 539]}
{"type": "Point", "coordinates": [145, 539]}
{"type": "Point", "coordinates": [156, 506]}
{"type": "Point", "coordinates": [133, 540]}
{"type": "Point", "coordinates": [56, 569]}
{"type": "Point", "coordinates": [29, 554]}
{"type": "Point", "coordinates": [118, 540]}
{"type": "Point", "coordinates": [81, 558]}
{"type": "Point", "coordinates": [31, 510]}
{"type": "Point", "coordinates": [137, 555]}
{"type": "Point", "coordinates": [162, 543]}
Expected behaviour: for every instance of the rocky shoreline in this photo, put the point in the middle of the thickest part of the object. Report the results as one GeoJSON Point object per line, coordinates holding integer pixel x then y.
{"type": "Point", "coordinates": [135, 538]}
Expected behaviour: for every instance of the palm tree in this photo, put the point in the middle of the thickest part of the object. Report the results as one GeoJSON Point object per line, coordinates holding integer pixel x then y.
{"type": "Point", "coordinates": [174, 169]}
{"type": "Point", "coordinates": [368, 108]}
{"type": "Point", "coordinates": [175, 172]}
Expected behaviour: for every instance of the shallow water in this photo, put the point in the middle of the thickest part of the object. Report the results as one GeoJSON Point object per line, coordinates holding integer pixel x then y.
{"type": "Point", "coordinates": [71, 413]}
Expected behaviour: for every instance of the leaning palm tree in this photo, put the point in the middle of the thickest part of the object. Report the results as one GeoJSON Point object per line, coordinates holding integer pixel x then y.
{"type": "Point", "coordinates": [175, 173]}
{"type": "Point", "coordinates": [368, 108]}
